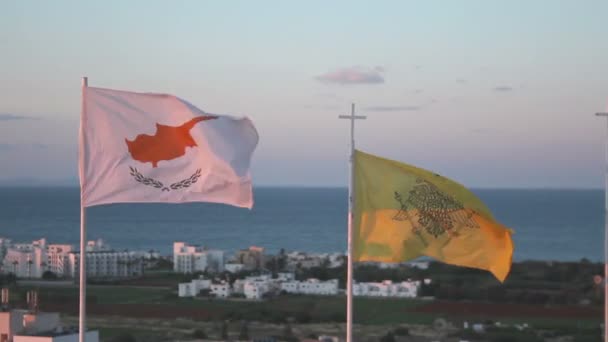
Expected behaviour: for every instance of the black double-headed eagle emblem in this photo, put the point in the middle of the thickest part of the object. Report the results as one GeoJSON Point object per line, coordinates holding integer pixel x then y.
{"type": "Point", "coordinates": [427, 208]}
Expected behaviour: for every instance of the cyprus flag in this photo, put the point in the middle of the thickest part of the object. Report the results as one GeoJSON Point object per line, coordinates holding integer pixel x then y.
{"type": "Point", "coordinates": [140, 147]}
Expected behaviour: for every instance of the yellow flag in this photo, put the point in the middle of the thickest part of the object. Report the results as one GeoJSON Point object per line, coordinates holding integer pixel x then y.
{"type": "Point", "coordinates": [402, 212]}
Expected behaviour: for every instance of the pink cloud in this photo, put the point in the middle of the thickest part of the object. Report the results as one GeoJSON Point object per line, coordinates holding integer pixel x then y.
{"type": "Point", "coordinates": [353, 75]}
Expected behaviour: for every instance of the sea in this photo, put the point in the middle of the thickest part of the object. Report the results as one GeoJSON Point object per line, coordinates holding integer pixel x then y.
{"type": "Point", "coordinates": [559, 225]}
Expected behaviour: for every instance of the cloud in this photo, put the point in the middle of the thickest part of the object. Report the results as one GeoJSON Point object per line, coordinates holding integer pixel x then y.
{"type": "Point", "coordinates": [502, 88]}
{"type": "Point", "coordinates": [353, 75]}
{"type": "Point", "coordinates": [13, 117]}
{"type": "Point", "coordinates": [392, 108]}
{"type": "Point", "coordinates": [461, 81]}
{"type": "Point", "coordinates": [418, 91]}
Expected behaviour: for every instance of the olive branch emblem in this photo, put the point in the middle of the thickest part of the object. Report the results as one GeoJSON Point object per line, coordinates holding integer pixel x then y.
{"type": "Point", "coordinates": [149, 181]}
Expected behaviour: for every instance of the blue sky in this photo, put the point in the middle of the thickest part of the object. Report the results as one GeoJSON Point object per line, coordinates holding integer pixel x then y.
{"type": "Point", "coordinates": [490, 93]}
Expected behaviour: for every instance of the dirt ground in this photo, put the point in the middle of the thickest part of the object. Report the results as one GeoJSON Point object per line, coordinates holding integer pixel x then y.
{"type": "Point", "coordinates": [508, 310]}
{"type": "Point", "coordinates": [490, 310]}
{"type": "Point", "coordinates": [182, 329]}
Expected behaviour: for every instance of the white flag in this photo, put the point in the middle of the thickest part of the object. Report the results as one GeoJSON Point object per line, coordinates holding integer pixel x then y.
{"type": "Point", "coordinates": [138, 147]}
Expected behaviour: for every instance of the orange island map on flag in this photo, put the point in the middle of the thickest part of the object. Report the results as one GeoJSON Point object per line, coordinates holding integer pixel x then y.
{"type": "Point", "coordinates": [142, 147]}
{"type": "Point", "coordinates": [402, 212]}
{"type": "Point", "coordinates": [167, 143]}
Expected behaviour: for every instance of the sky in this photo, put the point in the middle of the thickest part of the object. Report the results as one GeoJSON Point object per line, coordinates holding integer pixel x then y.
{"type": "Point", "coordinates": [494, 94]}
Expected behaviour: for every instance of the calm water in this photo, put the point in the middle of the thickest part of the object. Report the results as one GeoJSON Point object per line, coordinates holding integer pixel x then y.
{"type": "Point", "coordinates": [549, 224]}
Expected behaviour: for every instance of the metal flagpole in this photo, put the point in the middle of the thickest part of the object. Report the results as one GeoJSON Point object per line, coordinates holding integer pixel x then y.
{"type": "Point", "coordinates": [83, 231]}
{"type": "Point", "coordinates": [351, 200]}
{"type": "Point", "coordinates": [605, 115]}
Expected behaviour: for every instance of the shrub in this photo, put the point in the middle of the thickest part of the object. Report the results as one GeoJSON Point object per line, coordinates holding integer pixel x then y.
{"type": "Point", "coordinates": [303, 317]}
{"type": "Point", "coordinates": [401, 331]}
{"type": "Point", "coordinates": [48, 275]}
{"type": "Point", "coordinates": [224, 333]}
{"type": "Point", "coordinates": [199, 333]}
{"type": "Point", "coordinates": [244, 333]}
{"type": "Point", "coordinates": [389, 337]}
{"type": "Point", "coordinates": [125, 337]}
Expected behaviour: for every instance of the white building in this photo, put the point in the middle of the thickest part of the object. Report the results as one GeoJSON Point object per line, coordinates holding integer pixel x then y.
{"type": "Point", "coordinates": [256, 289]}
{"type": "Point", "coordinates": [27, 326]}
{"type": "Point", "coordinates": [58, 259]}
{"type": "Point", "coordinates": [97, 246]}
{"type": "Point", "coordinates": [304, 260]}
{"type": "Point", "coordinates": [222, 290]}
{"type": "Point", "coordinates": [336, 260]}
{"type": "Point", "coordinates": [311, 287]}
{"type": "Point", "coordinates": [26, 260]}
{"type": "Point", "coordinates": [405, 289]}
{"type": "Point", "coordinates": [317, 287]}
{"type": "Point", "coordinates": [234, 268]}
{"type": "Point", "coordinates": [193, 288]}
{"type": "Point", "coordinates": [108, 264]}
{"type": "Point", "coordinates": [32, 260]}
{"type": "Point", "coordinates": [423, 265]}
{"type": "Point", "coordinates": [190, 259]}
{"type": "Point", "coordinates": [285, 276]}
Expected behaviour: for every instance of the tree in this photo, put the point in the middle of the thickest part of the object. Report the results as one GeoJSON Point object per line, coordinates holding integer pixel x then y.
{"type": "Point", "coordinates": [402, 331]}
{"type": "Point", "coordinates": [29, 268]}
{"type": "Point", "coordinates": [281, 260]}
{"type": "Point", "coordinates": [224, 333]}
{"type": "Point", "coordinates": [389, 337]}
{"type": "Point", "coordinates": [8, 279]}
{"type": "Point", "coordinates": [48, 275]}
{"type": "Point", "coordinates": [288, 332]}
{"type": "Point", "coordinates": [199, 333]}
{"type": "Point", "coordinates": [125, 337]}
{"type": "Point", "coordinates": [205, 293]}
{"type": "Point", "coordinates": [244, 334]}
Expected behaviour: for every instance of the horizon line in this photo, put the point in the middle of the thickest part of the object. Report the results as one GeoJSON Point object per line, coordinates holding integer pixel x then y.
{"type": "Point", "coordinates": [302, 186]}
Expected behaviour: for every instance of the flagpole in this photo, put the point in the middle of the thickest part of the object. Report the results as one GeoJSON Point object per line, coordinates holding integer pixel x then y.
{"type": "Point", "coordinates": [83, 230]}
{"type": "Point", "coordinates": [351, 200]}
{"type": "Point", "coordinates": [605, 115]}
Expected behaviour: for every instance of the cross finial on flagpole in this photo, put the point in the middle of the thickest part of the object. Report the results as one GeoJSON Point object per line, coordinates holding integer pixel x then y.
{"type": "Point", "coordinates": [352, 117]}
{"type": "Point", "coordinates": [351, 198]}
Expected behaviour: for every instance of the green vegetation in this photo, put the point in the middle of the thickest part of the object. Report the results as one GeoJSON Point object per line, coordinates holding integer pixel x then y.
{"type": "Point", "coordinates": [244, 333]}
{"type": "Point", "coordinates": [301, 309]}
{"type": "Point", "coordinates": [549, 286]}
{"type": "Point", "coordinates": [531, 282]}
{"type": "Point", "coordinates": [501, 335]}
{"type": "Point", "coordinates": [199, 333]}
{"type": "Point", "coordinates": [48, 275]}
{"type": "Point", "coordinates": [7, 279]}
{"type": "Point", "coordinates": [126, 335]}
